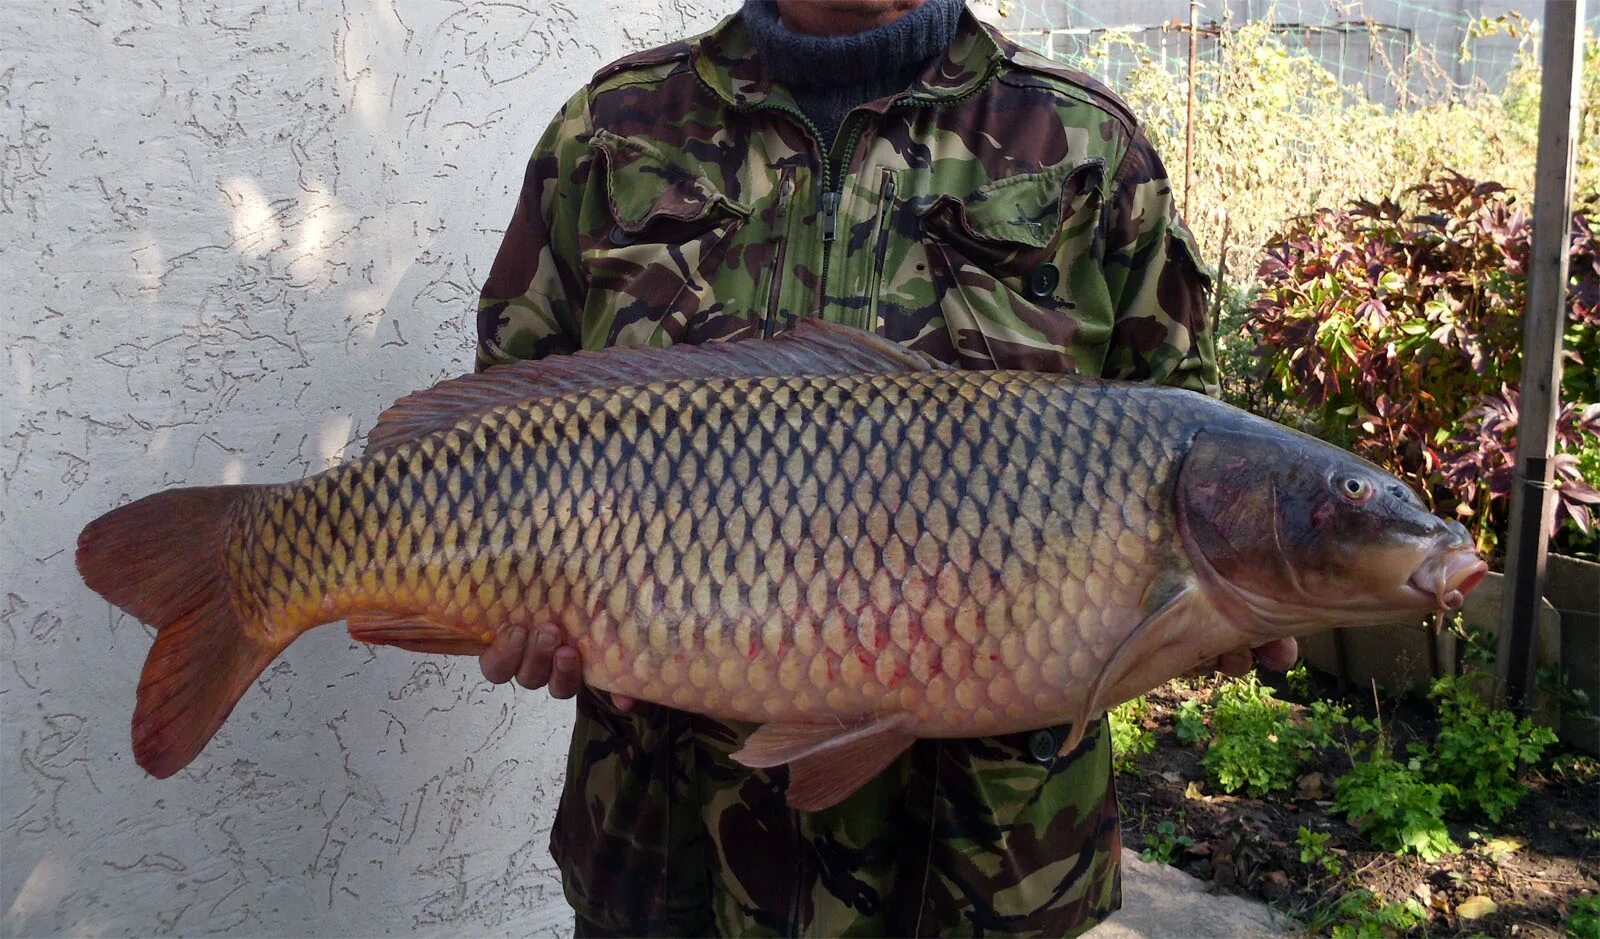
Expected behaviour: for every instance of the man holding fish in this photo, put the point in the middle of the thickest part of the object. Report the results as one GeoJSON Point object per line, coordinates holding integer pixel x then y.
{"type": "Point", "coordinates": [878, 576]}
{"type": "Point", "coordinates": [897, 166]}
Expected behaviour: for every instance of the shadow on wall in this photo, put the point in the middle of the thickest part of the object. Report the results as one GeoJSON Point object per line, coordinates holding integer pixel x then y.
{"type": "Point", "coordinates": [241, 233]}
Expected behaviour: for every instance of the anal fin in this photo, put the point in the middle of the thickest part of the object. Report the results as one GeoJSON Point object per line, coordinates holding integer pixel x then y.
{"type": "Point", "coordinates": [827, 762]}
{"type": "Point", "coordinates": [415, 633]}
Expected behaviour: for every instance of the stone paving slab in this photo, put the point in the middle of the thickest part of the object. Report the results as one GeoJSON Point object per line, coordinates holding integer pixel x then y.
{"type": "Point", "coordinates": [1162, 902]}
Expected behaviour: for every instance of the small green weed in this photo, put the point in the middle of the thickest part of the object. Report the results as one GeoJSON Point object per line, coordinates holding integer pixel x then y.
{"type": "Point", "coordinates": [1361, 914]}
{"type": "Point", "coordinates": [1576, 768]}
{"type": "Point", "coordinates": [1391, 804]}
{"type": "Point", "coordinates": [1583, 918]}
{"type": "Point", "coordinates": [1163, 844]}
{"type": "Point", "coordinates": [1479, 750]}
{"type": "Point", "coordinates": [1476, 647]}
{"type": "Point", "coordinates": [1314, 850]}
{"type": "Point", "coordinates": [1189, 724]}
{"type": "Point", "coordinates": [1299, 680]}
{"type": "Point", "coordinates": [1129, 737]}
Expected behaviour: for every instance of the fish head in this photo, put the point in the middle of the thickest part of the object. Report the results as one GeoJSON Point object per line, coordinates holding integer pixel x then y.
{"type": "Point", "coordinates": [1291, 534]}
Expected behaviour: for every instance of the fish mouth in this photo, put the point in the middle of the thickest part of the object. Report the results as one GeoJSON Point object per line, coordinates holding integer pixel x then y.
{"type": "Point", "coordinates": [1447, 578]}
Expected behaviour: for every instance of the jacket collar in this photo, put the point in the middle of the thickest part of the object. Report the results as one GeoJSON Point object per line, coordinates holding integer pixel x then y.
{"type": "Point", "coordinates": [726, 61]}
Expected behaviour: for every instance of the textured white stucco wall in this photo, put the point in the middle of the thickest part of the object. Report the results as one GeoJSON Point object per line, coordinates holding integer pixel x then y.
{"type": "Point", "coordinates": [230, 233]}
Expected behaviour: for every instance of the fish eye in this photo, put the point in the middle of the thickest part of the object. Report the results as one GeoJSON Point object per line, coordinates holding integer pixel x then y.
{"type": "Point", "coordinates": [1355, 489]}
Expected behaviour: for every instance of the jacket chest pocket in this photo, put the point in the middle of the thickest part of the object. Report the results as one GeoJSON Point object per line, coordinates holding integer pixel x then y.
{"type": "Point", "coordinates": [650, 271]}
{"type": "Point", "coordinates": [1015, 269]}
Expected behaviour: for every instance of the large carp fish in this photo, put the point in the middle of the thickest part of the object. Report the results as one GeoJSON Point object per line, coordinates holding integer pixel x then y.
{"type": "Point", "coordinates": [825, 534]}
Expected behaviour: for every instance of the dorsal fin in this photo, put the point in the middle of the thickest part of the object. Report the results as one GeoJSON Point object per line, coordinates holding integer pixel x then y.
{"type": "Point", "coordinates": [812, 347]}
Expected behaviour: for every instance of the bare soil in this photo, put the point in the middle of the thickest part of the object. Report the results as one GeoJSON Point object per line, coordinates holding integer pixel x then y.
{"type": "Point", "coordinates": [1532, 864]}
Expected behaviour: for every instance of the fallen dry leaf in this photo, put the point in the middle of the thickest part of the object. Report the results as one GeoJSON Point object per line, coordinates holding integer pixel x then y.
{"type": "Point", "coordinates": [1476, 907]}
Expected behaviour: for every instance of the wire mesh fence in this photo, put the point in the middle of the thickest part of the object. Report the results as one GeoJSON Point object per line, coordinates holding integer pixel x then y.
{"type": "Point", "coordinates": [1268, 109]}
{"type": "Point", "coordinates": [1393, 52]}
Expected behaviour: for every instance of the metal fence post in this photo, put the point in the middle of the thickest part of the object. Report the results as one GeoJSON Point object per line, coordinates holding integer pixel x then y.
{"type": "Point", "coordinates": [1188, 120]}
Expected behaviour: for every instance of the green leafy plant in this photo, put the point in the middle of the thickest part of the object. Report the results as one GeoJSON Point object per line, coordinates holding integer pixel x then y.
{"type": "Point", "coordinates": [1476, 647]}
{"type": "Point", "coordinates": [1479, 750]}
{"type": "Point", "coordinates": [1323, 717]}
{"type": "Point", "coordinates": [1189, 723]}
{"type": "Point", "coordinates": [1129, 736]}
{"type": "Point", "coordinates": [1314, 850]}
{"type": "Point", "coordinates": [1393, 805]}
{"type": "Point", "coordinates": [1163, 844]}
{"type": "Point", "coordinates": [1583, 918]}
{"type": "Point", "coordinates": [1299, 680]}
{"type": "Point", "coordinates": [1256, 744]}
{"type": "Point", "coordinates": [1362, 914]}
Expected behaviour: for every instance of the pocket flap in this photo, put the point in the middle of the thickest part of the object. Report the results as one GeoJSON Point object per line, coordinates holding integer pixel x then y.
{"type": "Point", "coordinates": [1185, 245]}
{"type": "Point", "coordinates": [642, 185]}
{"type": "Point", "coordinates": [1020, 210]}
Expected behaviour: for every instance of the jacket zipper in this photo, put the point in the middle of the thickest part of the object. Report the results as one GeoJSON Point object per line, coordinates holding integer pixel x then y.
{"type": "Point", "coordinates": [781, 232]}
{"type": "Point", "coordinates": [881, 250]}
{"type": "Point", "coordinates": [829, 198]}
{"type": "Point", "coordinates": [832, 186]}
{"type": "Point", "coordinates": [832, 182]}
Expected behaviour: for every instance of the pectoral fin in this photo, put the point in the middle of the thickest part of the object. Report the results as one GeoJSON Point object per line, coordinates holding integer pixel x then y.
{"type": "Point", "coordinates": [415, 633]}
{"type": "Point", "coordinates": [827, 762]}
{"type": "Point", "coordinates": [1170, 618]}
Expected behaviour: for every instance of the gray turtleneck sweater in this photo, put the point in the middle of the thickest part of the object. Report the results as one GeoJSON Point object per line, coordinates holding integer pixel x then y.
{"type": "Point", "coordinates": [829, 75]}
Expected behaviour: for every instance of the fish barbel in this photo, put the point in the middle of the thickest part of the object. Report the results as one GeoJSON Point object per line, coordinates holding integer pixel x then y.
{"type": "Point", "coordinates": [824, 534]}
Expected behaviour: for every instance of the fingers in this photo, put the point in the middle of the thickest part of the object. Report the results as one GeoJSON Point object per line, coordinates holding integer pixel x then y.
{"type": "Point", "coordinates": [542, 662]}
{"type": "Point", "coordinates": [1235, 663]}
{"type": "Point", "coordinates": [539, 659]}
{"type": "Point", "coordinates": [565, 673]}
{"type": "Point", "coordinates": [1278, 655]}
{"type": "Point", "coordinates": [499, 662]}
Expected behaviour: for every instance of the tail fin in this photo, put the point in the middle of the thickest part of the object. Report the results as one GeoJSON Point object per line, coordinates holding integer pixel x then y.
{"type": "Point", "coordinates": [162, 559]}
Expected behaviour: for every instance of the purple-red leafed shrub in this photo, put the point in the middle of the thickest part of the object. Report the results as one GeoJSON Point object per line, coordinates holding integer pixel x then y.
{"type": "Point", "coordinates": [1395, 328]}
{"type": "Point", "coordinates": [1482, 466]}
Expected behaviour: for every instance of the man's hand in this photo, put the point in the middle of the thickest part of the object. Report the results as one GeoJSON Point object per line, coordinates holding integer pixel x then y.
{"type": "Point", "coordinates": [1278, 655]}
{"type": "Point", "coordinates": [543, 661]}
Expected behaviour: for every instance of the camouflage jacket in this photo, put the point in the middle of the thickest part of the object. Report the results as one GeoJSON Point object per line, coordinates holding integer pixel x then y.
{"type": "Point", "coordinates": [1001, 213]}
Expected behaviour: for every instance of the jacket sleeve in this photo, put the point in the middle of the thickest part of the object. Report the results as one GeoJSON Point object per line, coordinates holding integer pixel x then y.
{"type": "Point", "coordinates": [533, 299]}
{"type": "Point", "coordinates": [1162, 331]}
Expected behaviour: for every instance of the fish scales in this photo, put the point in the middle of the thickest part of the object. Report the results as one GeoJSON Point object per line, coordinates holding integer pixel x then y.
{"type": "Point", "coordinates": [913, 547]}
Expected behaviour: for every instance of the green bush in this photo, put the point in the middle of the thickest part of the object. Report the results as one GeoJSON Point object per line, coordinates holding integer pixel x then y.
{"type": "Point", "coordinates": [1257, 745]}
{"type": "Point", "coordinates": [1394, 806]}
{"type": "Point", "coordinates": [1479, 750]}
{"type": "Point", "coordinates": [1583, 919]}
